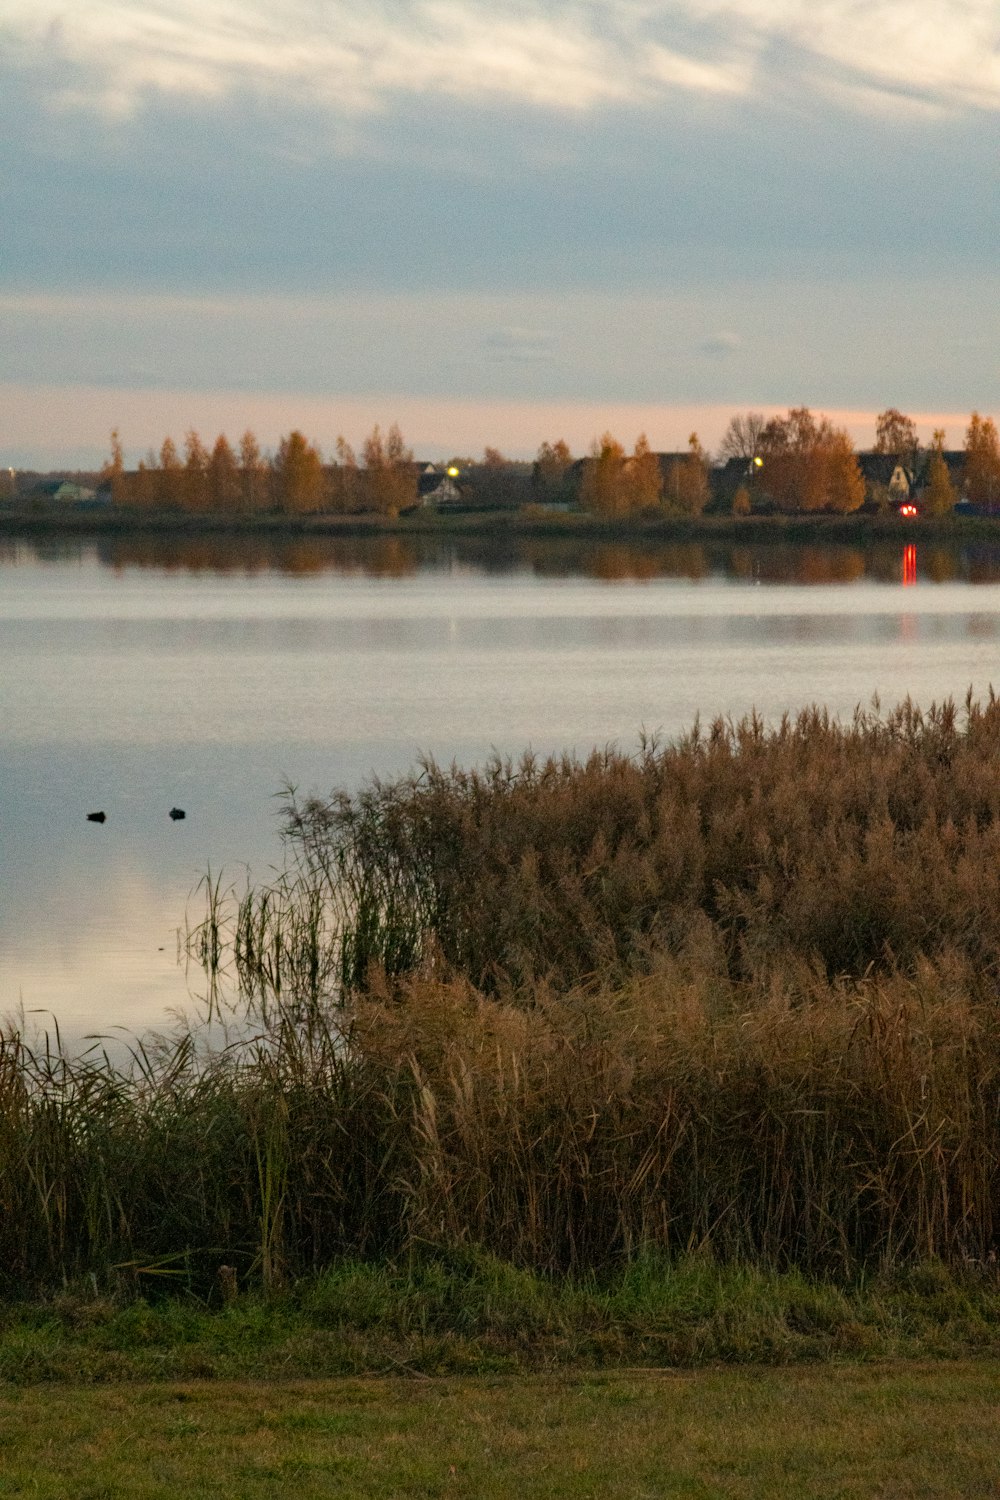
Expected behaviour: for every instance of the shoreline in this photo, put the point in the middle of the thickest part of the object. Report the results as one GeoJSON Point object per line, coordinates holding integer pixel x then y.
{"type": "Point", "coordinates": [853, 529]}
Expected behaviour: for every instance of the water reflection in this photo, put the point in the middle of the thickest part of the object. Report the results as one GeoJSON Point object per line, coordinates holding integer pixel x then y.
{"type": "Point", "coordinates": [210, 671]}
{"type": "Point", "coordinates": [625, 561]}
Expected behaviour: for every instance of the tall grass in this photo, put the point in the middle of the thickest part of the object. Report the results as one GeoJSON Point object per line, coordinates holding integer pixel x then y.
{"type": "Point", "coordinates": [858, 846]}
{"type": "Point", "coordinates": [735, 998]}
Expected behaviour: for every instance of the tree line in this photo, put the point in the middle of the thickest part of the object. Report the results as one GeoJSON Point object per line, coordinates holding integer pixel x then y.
{"type": "Point", "coordinates": [801, 463]}
{"type": "Point", "coordinates": [294, 480]}
{"type": "Point", "coordinates": [795, 463]}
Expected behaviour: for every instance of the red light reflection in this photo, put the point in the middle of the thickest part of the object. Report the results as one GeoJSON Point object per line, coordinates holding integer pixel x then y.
{"type": "Point", "coordinates": [909, 566]}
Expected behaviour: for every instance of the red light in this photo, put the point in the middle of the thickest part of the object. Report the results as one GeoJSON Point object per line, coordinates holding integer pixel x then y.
{"type": "Point", "coordinates": [907, 510]}
{"type": "Point", "coordinates": [909, 566]}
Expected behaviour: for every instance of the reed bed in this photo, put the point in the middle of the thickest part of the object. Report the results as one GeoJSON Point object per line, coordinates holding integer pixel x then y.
{"type": "Point", "coordinates": [866, 845]}
{"type": "Point", "coordinates": [734, 998]}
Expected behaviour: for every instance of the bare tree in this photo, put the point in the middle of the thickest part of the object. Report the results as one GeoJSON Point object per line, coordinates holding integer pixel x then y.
{"type": "Point", "coordinates": [896, 435]}
{"type": "Point", "coordinates": [742, 437]}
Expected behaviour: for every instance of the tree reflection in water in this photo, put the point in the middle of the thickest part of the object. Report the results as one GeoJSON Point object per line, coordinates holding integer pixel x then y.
{"type": "Point", "coordinates": [620, 561]}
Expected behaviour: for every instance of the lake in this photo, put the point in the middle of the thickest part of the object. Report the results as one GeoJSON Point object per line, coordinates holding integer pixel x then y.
{"type": "Point", "coordinates": [211, 673]}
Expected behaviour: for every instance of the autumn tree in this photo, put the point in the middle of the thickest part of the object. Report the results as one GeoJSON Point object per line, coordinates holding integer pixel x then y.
{"type": "Point", "coordinates": [195, 473]}
{"type": "Point", "coordinates": [939, 496]}
{"type": "Point", "coordinates": [604, 489]}
{"type": "Point", "coordinates": [390, 473]}
{"type": "Point", "coordinates": [492, 479]}
{"type": "Point", "coordinates": [552, 467]}
{"type": "Point", "coordinates": [298, 475]}
{"type": "Point", "coordinates": [224, 488]}
{"type": "Point", "coordinates": [982, 462]}
{"type": "Point", "coordinates": [644, 477]}
{"type": "Point", "coordinates": [896, 436]}
{"type": "Point", "coordinates": [788, 446]}
{"type": "Point", "coordinates": [345, 488]}
{"type": "Point", "coordinates": [686, 491]}
{"type": "Point", "coordinates": [114, 470]}
{"type": "Point", "coordinates": [741, 438]}
{"type": "Point", "coordinates": [144, 485]}
{"type": "Point", "coordinates": [171, 476]}
{"type": "Point", "coordinates": [809, 465]}
{"type": "Point", "coordinates": [845, 485]}
{"type": "Point", "coordinates": [254, 475]}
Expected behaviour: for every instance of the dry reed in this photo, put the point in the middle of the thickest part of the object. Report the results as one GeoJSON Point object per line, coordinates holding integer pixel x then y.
{"type": "Point", "coordinates": [734, 997]}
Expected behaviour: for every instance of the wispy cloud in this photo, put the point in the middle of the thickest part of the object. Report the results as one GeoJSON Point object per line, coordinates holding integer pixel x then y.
{"type": "Point", "coordinates": [719, 345]}
{"type": "Point", "coordinates": [356, 56]}
{"type": "Point", "coordinates": [520, 346]}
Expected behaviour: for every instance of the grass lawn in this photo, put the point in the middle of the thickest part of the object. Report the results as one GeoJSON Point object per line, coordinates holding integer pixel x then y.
{"type": "Point", "coordinates": [896, 1431]}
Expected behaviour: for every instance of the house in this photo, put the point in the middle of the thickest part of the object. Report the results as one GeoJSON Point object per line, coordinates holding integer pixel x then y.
{"type": "Point", "coordinates": [883, 473]}
{"type": "Point", "coordinates": [437, 486]}
{"type": "Point", "coordinates": [476, 487]}
{"type": "Point", "coordinates": [62, 490]}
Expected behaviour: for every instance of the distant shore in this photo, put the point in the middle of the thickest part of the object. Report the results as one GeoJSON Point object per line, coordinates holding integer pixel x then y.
{"type": "Point", "coordinates": [857, 528]}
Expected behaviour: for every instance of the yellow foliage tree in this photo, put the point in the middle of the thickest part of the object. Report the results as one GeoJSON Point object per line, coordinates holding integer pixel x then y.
{"type": "Point", "coordinates": [390, 473]}
{"type": "Point", "coordinates": [604, 489]}
{"type": "Point", "coordinates": [552, 467]}
{"type": "Point", "coordinates": [809, 465]}
{"type": "Point", "coordinates": [939, 496]}
{"type": "Point", "coordinates": [143, 487]}
{"type": "Point", "coordinates": [644, 477]}
{"type": "Point", "coordinates": [224, 488]}
{"type": "Point", "coordinates": [114, 470]}
{"type": "Point", "coordinates": [171, 476]}
{"type": "Point", "coordinates": [686, 491]}
{"type": "Point", "coordinates": [982, 462]}
{"type": "Point", "coordinates": [298, 475]}
{"type": "Point", "coordinates": [196, 495]}
{"type": "Point", "coordinates": [345, 488]}
{"type": "Point", "coordinates": [254, 475]}
{"type": "Point", "coordinates": [845, 485]}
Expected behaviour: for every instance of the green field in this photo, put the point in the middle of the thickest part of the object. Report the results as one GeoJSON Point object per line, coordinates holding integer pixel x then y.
{"type": "Point", "coordinates": [897, 1431]}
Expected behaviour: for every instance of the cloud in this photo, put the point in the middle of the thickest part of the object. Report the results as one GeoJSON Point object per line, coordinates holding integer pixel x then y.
{"type": "Point", "coordinates": [352, 57]}
{"type": "Point", "coordinates": [719, 345]}
{"type": "Point", "coordinates": [784, 342]}
{"type": "Point", "coordinates": [520, 346]}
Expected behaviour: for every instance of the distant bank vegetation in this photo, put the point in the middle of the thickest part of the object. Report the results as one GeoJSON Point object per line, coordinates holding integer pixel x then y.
{"type": "Point", "coordinates": [797, 464]}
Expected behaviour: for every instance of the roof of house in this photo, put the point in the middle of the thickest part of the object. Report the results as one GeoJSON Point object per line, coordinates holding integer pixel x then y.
{"type": "Point", "coordinates": [880, 468]}
{"type": "Point", "coordinates": [62, 489]}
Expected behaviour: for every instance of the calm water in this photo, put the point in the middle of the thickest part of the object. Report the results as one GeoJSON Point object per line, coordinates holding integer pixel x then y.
{"type": "Point", "coordinates": [208, 675]}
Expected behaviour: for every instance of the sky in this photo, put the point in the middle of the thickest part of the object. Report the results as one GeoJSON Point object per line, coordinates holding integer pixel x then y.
{"type": "Point", "coordinates": [495, 223]}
